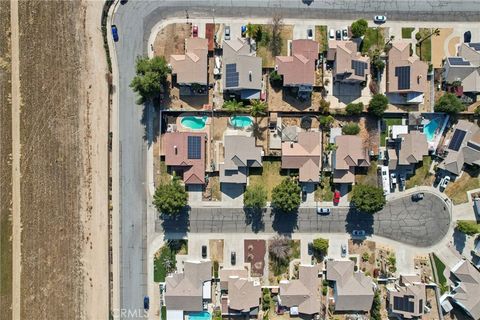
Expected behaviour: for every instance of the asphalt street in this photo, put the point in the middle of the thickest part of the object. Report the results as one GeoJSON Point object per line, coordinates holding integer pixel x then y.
{"type": "Point", "coordinates": [422, 223]}
{"type": "Point", "coordinates": [135, 19]}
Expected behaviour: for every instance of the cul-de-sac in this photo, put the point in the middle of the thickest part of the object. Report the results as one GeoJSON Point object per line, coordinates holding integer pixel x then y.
{"type": "Point", "coordinates": [208, 160]}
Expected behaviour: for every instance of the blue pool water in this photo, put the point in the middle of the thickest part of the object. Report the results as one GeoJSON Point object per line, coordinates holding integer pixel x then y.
{"type": "Point", "coordinates": [194, 123]}
{"type": "Point", "coordinates": [430, 128]}
{"type": "Point", "coordinates": [241, 121]}
{"type": "Point", "coordinates": [200, 316]}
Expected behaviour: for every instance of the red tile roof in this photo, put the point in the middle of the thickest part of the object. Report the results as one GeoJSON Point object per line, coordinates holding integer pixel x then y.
{"type": "Point", "coordinates": [299, 68]}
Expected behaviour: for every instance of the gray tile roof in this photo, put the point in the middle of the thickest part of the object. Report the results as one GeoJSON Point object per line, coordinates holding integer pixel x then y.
{"type": "Point", "coordinates": [303, 292]}
{"type": "Point", "coordinates": [465, 294]}
{"type": "Point", "coordinates": [240, 154]}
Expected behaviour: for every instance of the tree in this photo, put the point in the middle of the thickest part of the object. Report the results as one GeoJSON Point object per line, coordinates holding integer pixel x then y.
{"type": "Point", "coordinates": [275, 79]}
{"type": "Point", "coordinates": [449, 103]}
{"type": "Point", "coordinates": [279, 248]}
{"type": "Point", "coordinates": [170, 198]}
{"type": "Point", "coordinates": [354, 108]}
{"type": "Point", "coordinates": [320, 247]}
{"type": "Point", "coordinates": [468, 227]}
{"type": "Point", "coordinates": [378, 105]}
{"type": "Point", "coordinates": [351, 129]}
{"type": "Point", "coordinates": [375, 312]}
{"type": "Point", "coordinates": [151, 77]}
{"type": "Point", "coordinates": [258, 108]}
{"type": "Point", "coordinates": [286, 195]}
{"type": "Point", "coordinates": [324, 106]}
{"type": "Point", "coordinates": [378, 64]}
{"type": "Point", "coordinates": [326, 121]}
{"type": "Point", "coordinates": [359, 28]}
{"type": "Point", "coordinates": [255, 197]}
{"type": "Point", "coordinates": [367, 198]}
{"type": "Point", "coordinates": [233, 106]}
{"type": "Point", "coordinates": [365, 256]}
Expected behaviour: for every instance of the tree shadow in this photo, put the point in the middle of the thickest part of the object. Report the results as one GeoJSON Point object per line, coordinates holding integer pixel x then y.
{"type": "Point", "coordinates": [150, 123]}
{"type": "Point", "coordinates": [357, 220]}
{"type": "Point", "coordinates": [284, 223]}
{"type": "Point", "coordinates": [459, 239]}
{"type": "Point", "coordinates": [254, 217]}
{"type": "Point", "coordinates": [176, 224]}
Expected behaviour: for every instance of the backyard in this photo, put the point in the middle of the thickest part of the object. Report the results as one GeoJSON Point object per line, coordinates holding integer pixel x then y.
{"type": "Point", "coordinates": [269, 176]}
{"type": "Point", "coordinates": [457, 190]}
{"type": "Point", "coordinates": [422, 175]}
{"type": "Point", "coordinates": [165, 259]}
{"type": "Point", "coordinates": [388, 123]}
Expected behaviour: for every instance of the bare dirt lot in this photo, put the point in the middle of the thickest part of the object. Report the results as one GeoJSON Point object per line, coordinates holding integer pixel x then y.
{"type": "Point", "coordinates": [216, 250]}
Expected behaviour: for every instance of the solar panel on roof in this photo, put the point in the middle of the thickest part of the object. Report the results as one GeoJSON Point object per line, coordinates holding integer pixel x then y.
{"type": "Point", "coordinates": [458, 62]}
{"type": "Point", "coordinates": [359, 67]}
{"type": "Point", "coordinates": [457, 140]}
{"type": "Point", "coordinates": [194, 147]}
{"type": "Point", "coordinates": [403, 74]}
{"type": "Point", "coordinates": [403, 304]}
{"type": "Point", "coordinates": [231, 75]}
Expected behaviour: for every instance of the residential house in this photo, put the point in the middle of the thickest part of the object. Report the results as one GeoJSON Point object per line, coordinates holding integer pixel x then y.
{"type": "Point", "coordinates": [185, 155]}
{"type": "Point", "coordinates": [304, 154]}
{"type": "Point", "coordinates": [464, 148]}
{"type": "Point", "coordinates": [465, 292]}
{"type": "Point", "coordinates": [241, 153]}
{"type": "Point", "coordinates": [242, 70]}
{"type": "Point", "coordinates": [353, 291]}
{"type": "Point", "coordinates": [407, 149]}
{"type": "Point", "coordinates": [407, 299]}
{"type": "Point", "coordinates": [301, 296]}
{"type": "Point", "coordinates": [464, 68]}
{"type": "Point", "coordinates": [298, 69]}
{"type": "Point", "coordinates": [348, 155]}
{"type": "Point", "coordinates": [188, 290]}
{"type": "Point", "coordinates": [349, 65]}
{"type": "Point", "coordinates": [240, 294]}
{"type": "Point", "coordinates": [406, 75]}
{"type": "Point", "coordinates": [191, 68]}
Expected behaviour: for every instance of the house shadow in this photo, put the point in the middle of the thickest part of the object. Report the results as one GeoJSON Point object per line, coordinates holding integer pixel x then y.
{"type": "Point", "coordinates": [284, 223]}
{"type": "Point", "coordinates": [459, 239]}
{"type": "Point", "coordinates": [358, 221]}
{"type": "Point", "coordinates": [254, 217]}
{"type": "Point", "coordinates": [347, 92]}
{"type": "Point", "coordinates": [232, 190]}
{"type": "Point", "coordinates": [177, 224]}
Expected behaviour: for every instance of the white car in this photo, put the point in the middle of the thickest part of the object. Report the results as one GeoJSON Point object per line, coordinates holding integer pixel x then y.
{"type": "Point", "coordinates": [331, 34]}
{"type": "Point", "coordinates": [344, 34]}
{"type": "Point", "coordinates": [444, 182]}
{"type": "Point", "coordinates": [380, 19]}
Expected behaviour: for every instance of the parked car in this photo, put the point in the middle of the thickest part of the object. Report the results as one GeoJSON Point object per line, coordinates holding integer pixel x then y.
{"type": "Point", "coordinates": [304, 194]}
{"type": "Point", "coordinates": [115, 33]}
{"type": "Point", "coordinates": [344, 250]}
{"type": "Point", "coordinates": [310, 248]}
{"type": "Point", "coordinates": [146, 303]}
{"type": "Point", "coordinates": [358, 233]}
{"type": "Point", "coordinates": [467, 37]}
{"type": "Point", "coordinates": [345, 34]}
{"type": "Point", "coordinates": [123, 1]}
{"type": "Point", "coordinates": [195, 31]}
{"type": "Point", "coordinates": [243, 30]}
{"type": "Point", "coordinates": [323, 211]}
{"type": "Point", "coordinates": [338, 35]}
{"type": "Point", "coordinates": [444, 182]}
{"type": "Point", "coordinates": [233, 258]}
{"type": "Point", "coordinates": [393, 181]}
{"type": "Point", "coordinates": [204, 252]}
{"type": "Point", "coordinates": [417, 196]}
{"type": "Point", "coordinates": [309, 34]}
{"type": "Point", "coordinates": [401, 185]}
{"type": "Point", "coordinates": [336, 197]}
{"type": "Point", "coordinates": [227, 33]}
{"type": "Point", "coordinates": [379, 19]}
{"type": "Point", "coordinates": [331, 34]}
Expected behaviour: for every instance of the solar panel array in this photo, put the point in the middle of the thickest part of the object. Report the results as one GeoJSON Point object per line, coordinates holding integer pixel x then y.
{"type": "Point", "coordinates": [457, 140]}
{"type": "Point", "coordinates": [458, 62]}
{"type": "Point", "coordinates": [194, 147]}
{"type": "Point", "coordinates": [231, 75]}
{"type": "Point", "coordinates": [403, 74]}
{"type": "Point", "coordinates": [475, 46]}
{"type": "Point", "coordinates": [359, 67]}
{"type": "Point", "coordinates": [403, 304]}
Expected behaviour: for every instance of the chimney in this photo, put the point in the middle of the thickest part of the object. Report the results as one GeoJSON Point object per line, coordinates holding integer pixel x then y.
{"type": "Point", "coordinates": [175, 149]}
{"type": "Point", "coordinates": [291, 144]}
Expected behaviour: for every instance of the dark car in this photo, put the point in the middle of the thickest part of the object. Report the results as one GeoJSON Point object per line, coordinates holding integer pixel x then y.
{"type": "Point", "coordinates": [195, 31]}
{"type": "Point", "coordinates": [146, 303]}
{"type": "Point", "coordinates": [417, 196]}
{"type": "Point", "coordinates": [123, 1]}
{"type": "Point", "coordinates": [338, 35]}
{"type": "Point", "coordinates": [115, 33]}
{"type": "Point", "coordinates": [204, 252]}
{"type": "Point", "coordinates": [467, 37]}
{"type": "Point", "coordinates": [233, 258]}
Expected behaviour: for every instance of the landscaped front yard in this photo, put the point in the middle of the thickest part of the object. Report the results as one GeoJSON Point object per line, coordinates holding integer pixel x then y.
{"type": "Point", "coordinates": [440, 277]}
{"type": "Point", "coordinates": [407, 33]}
{"type": "Point", "coordinates": [457, 191]}
{"type": "Point", "coordinates": [281, 251]}
{"type": "Point", "coordinates": [422, 175]}
{"type": "Point", "coordinates": [269, 176]}
{"type": "Point", "coordinates": [264, 46]}
{"type": "Point", "coordinates": [321, 37]}
{"type": "Point", "coordinates": [165, 259]}
{"type": "Point", "coordinates": [370, 177]}
{"type": "Point", "coordinates": [374, 40]}
{"type": "Point", "coordinates": [324, 191]}
{"type": "Point", "coordinates": [425, 50]}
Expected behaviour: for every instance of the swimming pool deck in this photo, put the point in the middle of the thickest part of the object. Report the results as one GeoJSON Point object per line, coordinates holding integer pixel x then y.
{"type": "Point", "coordinates": [432, 145]}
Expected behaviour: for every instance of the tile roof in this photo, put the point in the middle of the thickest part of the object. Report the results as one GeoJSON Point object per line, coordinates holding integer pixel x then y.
{"type": "Point", "coordinates": [413, 147]}
{"type": "Point", "coordinates": [408, 298]}
{"type": "Point", "coordinates": [299, 68]}
{"type": "Point", "coordinates": [191, 67]}
{"type": "Point", "coordinates": [243, 294]}
{"type": "Point", "coordinates": [350, 65]}
{"type": "Point", "coordinates": [349, 154]}
{"type": "Point", "coordinates": [224, 274]}
{"type": "Point", "coordinates": [465, 294]}
{"type": "Point", "coordinates": [303, 292]}
{"type": "Point", "coordinates": [240, 154]}
{"type": "Point", "coordinates": [305, 155]}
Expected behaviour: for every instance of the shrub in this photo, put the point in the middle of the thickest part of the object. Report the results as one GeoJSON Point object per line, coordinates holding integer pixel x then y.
{"type": "Point", "coordinates": [255, 197]}
{"type": "Point", "coordinates": [468, 227]}
{"type": "Point", "coordinates": [359, 28]}
{"type": "Point", "coordinates": [275, 79]}
{"type": "Point", "coordinates": [326, 121]}
{"type": "Point", "coordinates": [375, 312]}
{"type": "Point", "coordinates": [365, 257]}
{"type": "Point", "coordinates": [324, 106]}
{"type": "Point", "coordinates": [378, 105]}
{"type": "Point", "coordinates": [320, 247]}
{"type": "Point", "coordinates": [215, 269]}
{"type": "Point", "coordinates": [367, 198]}
{"type": "Point", "coordinates": [449, 103]}
{"type": "Point", "coordinates": [354, 108]}
{"type": "Point", "coordinates": [351, 129]}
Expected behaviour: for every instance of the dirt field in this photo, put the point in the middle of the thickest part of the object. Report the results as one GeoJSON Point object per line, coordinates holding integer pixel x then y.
{"type": "Point", "coordinates": [165, 44]}
{"type": "Point", "coordinates": [216, 250]}
{"type": "Point", "coordinates": [5, 168]}
{"type": "Point", "coordinates": [63, 164]}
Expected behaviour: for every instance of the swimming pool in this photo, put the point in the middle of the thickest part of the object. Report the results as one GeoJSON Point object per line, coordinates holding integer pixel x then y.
{"type": "Point", "coordinates": [200, 316]}
{"type": "Point", "coordinates": [431, 128]}
{"type": "Point", "coordinates": [241, 121]}
{"type": "Point", "coordinates": [194, 123]}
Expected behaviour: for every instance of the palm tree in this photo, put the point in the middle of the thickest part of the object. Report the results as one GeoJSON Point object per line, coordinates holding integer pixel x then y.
{"type": "Point", "coordinates": [279, 248]}
{"type": "Point", "coordinates": [233, 106]}
{"type": "Point", "coordinates": [258, 108]}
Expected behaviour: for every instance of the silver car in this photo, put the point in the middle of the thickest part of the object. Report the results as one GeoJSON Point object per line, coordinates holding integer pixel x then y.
{"type": "Point", "coordinates": [227, 33]}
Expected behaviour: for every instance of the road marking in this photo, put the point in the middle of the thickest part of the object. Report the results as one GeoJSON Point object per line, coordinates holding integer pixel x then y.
{"type": "Point", "coordinates": [16, 154]}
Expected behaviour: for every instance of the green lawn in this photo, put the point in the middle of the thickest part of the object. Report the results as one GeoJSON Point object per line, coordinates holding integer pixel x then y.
{"type": "Point", "coordinates": [440, 278]}
{"type": "Point", "coordinates": [165, 259]}
{"type": "Point", "coordinates": [269, 176]}
{"type": "Point", "coordinates": [321, 37]}
{"type": "Point", "coordinates": [373, 39]}
{"type": "Point", "coordinates": [425, 53]}
{"type": "Point", "coordinates": [407, 33]}
{"type": "Point", "coordinates": [324, 191]}
{"type": "Point", "coordinates": [295, 245]}
{"type": "Point", "coordinates": [422, 177]}
{"type": "Point", "coordinates": [472, 224]}
{"type": "Point", "coordinates": [388, 123]}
